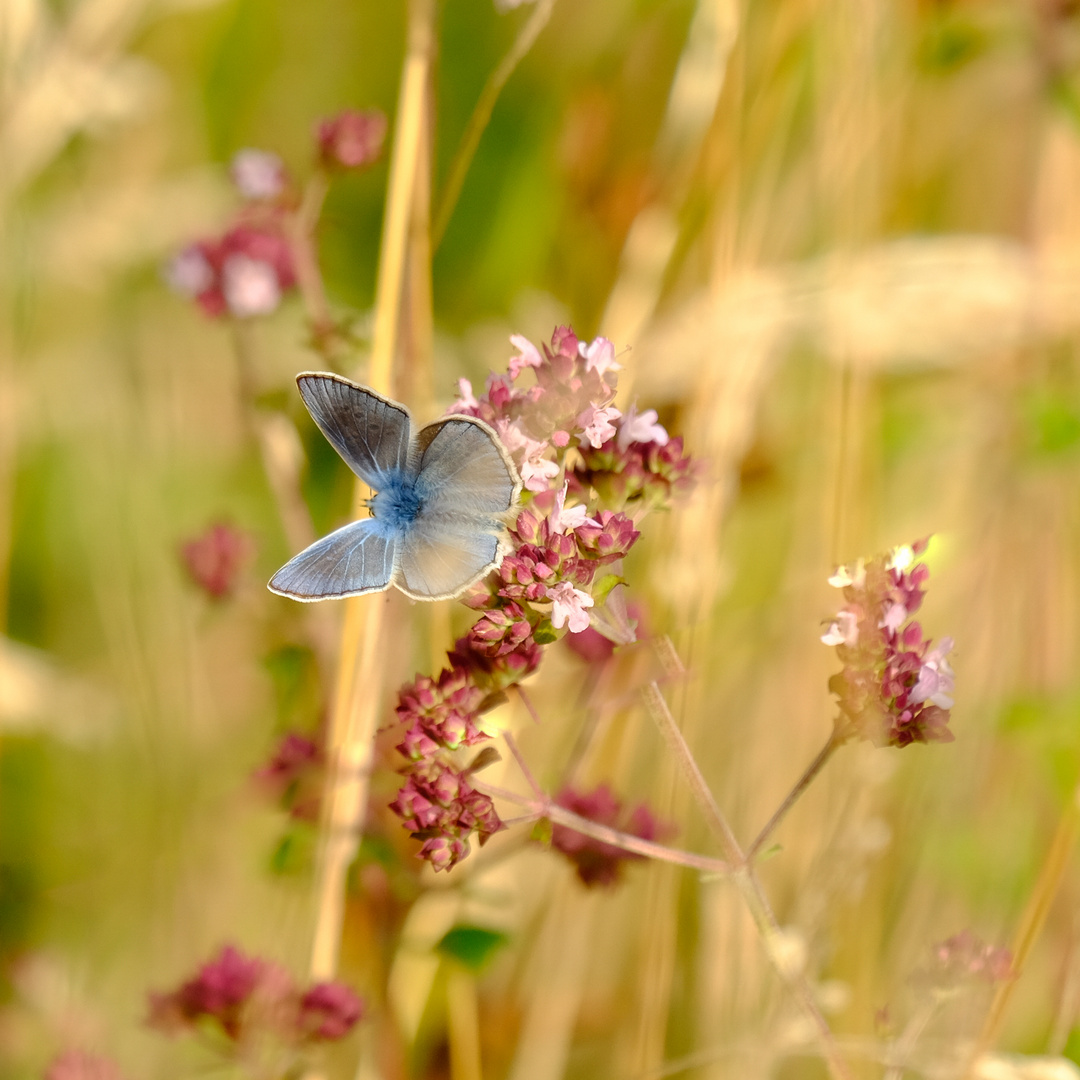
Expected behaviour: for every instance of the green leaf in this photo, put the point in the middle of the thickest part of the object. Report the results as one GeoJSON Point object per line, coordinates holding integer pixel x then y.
{"type": "Point", "coordinates": [545, 633]}
{"type": "Point", "coordinates": [541, 832]}
{"type": "Point", "coordinates": [472, 946]}
{"type": "Point", "coordinates": [605, 585]}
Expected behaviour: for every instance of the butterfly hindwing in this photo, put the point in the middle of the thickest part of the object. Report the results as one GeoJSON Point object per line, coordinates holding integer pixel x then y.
{"type": "Point", "coordinates": [368, 431]}
{"type": "Point", "coordinates": [358, 558]}
{"type": "Point", "coordinates": [442, 555]}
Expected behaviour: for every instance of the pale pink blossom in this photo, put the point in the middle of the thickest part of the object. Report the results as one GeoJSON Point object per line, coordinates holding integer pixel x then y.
{"type": "Point", "coordinates": [640, 428]}
{"type": "Point", "coordinates": [250, 286]}
{"type": "Point", "coordinates": [893, 618]}
{"type": "Point", "coordinates": [467, 398]}
{"type": "Point", "coordinates": [528, 356]}
{"type": "Point", "coordinates": [537, 473]}
{"type": "Point", "coordinates": [843, 630]}
{"type": "Point", "coordinates": [936, 682]}
{"type": "Point", "coordinates": [599, 356]}
{"type": "Point", "coordinates": [515, 440]}
{"type": "Point", "coordinates": [258, 174]}
{"type": "Point", "coordinates": [569, 607]}
{"type": "Point", "coordinates": [598, 425]}
{"type": "Point", "coordinates": [189, 272]}
{"type": "Point", "coordinates": [564, 520]}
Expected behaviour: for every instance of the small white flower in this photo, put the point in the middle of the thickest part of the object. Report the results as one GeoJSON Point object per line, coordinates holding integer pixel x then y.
{"type": "Point", "coordinates": [563, 520]}
{"type": "Point", "coordinates": [528, 355]}
{"type": "Point", "coordinates": [569, 607]}
{"type": "Point", "coordinates": [250, 286]}
{"type": "Point", "coordinates": [598, 425]}
{"type": "Point", "coordinates": [640, 428]}
{"type": "Point", "coordinates": [467, 398]}
{"type": "Point", "coordinates": [537, 473]}
{"type": "Point", "coordinates": [844, 577]}
{"type": "Point", "coordinates": [189, 272]}
{"type": "Point", "coordinates": [843, 630]}
{"type": "Point", "coordinates": [901, 558]}
{"type": "Point", "coordinates": [258, 174]}
{"type": "Point", "coordinates": [599, 356]}
{"type": "Point", "coordinates": [894, 617]}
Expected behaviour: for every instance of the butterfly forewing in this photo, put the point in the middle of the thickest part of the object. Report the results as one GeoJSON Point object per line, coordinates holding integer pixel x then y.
{"type": "Point", "coordinates": [442, 555]}
{"type": "Point", "coordinates": [356, 559]}
{"type": "Point", "coordinates": [369, 432]}
{"type": "Point", "coordinates": [464, 468]}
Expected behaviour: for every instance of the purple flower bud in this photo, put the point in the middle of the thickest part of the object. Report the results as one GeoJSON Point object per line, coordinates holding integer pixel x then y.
{"type": "Point", "coordinates": [352, 139]}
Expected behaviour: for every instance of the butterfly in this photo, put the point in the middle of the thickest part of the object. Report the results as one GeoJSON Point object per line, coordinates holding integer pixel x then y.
{"type": "Point", "coordinates": [437, 520]}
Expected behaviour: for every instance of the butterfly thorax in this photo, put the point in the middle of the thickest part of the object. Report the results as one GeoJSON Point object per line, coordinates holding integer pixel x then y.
{"type": "Point", "coordinates": [397, 503]}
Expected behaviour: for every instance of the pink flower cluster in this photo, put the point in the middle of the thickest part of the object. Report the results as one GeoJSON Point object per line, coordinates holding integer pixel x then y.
{"type": "Point", "coordinates": [249, 999]}
{"type": "Point", "coordinates": [243, 273]}
{"type": "Point", "coordinates": [215, 559]}
{"type": "Point", "coordinates": [967, 956]}
{"type": "Point", "coordinates": [248, 270]}
{"type": "Point", "coordinates": [551, 407]}
{"type": "Point", "coordinates": [894, 688]}
{"type": "Point", "coordinates": [294, 775]}
{"type": "Point", "coordinates": [596, 862]}
{"type": "Point", "coordinates": [439, 806]}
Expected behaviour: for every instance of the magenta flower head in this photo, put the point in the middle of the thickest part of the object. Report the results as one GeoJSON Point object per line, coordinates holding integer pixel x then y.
{"type": "Point", "coordinates": [596, 862]}
{"type": "Point", "coordinates": [329, 1010]}
{"type": "Point", "coordinates": [294, 775]}
{"type": "Point", "coordinates": [247, 998]}
{"type": "Point", "coordinates": [352, 139]}
{"type": "Point", "coordinates": [219, 993]}
{"type": "Point", "coordinates": [894, 688]}
{"type": "Point", "coordinates": [216, 559]}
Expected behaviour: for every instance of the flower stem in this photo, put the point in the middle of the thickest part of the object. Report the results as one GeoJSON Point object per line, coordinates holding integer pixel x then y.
{"type": "Point", "coordinates": [794, 795]}
{"type": "Point", "coordinates": [772, 937]}
{"type": "Point", "coordinates": [305, 256]}
{"type": "Point", "coordinates": [545, 807]}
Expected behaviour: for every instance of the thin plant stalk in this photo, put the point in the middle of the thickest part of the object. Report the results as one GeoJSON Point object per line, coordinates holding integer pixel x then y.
{"type": "Point", "coordinates": [278, 442]}
{"type": "Point", "coordinates": [353, 719]}
{"type": "Point", "coordinates": [546, 807]}
{"type": "Point", "coordinates": [793, 796]}
{"type": "Point", "coordinates": [481, 114]}
{"type": "Point", "coordinates": [305, 257]}
{"type": "Point", "coordinates": [746, 882]}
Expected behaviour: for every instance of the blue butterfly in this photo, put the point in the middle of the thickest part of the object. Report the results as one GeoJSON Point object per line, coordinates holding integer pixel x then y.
{"type": "Point", "coordinates": [437, 518]}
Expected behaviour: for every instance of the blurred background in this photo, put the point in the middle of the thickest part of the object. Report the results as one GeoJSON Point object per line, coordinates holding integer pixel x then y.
{"type": "Point", "coordinates": [840, 240]}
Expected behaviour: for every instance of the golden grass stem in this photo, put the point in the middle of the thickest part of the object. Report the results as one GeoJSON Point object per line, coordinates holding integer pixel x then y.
{"type": "Point", "coordinates": [463, 1024]}
{"type": "Point", "coordinates": [481, 114]}
{"type": "Point", "coordinates": [1032, 922]}
{"type": "Point", "coordinates": [353, 719]}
